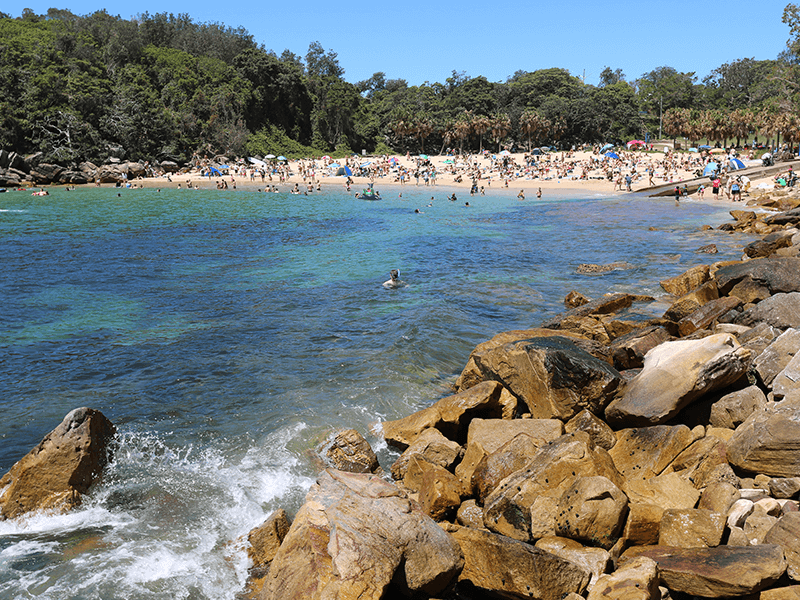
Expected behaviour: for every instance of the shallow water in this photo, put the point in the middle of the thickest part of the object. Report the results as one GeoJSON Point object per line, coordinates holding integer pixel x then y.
{"type": "Point", "coordinates": [227, 334]}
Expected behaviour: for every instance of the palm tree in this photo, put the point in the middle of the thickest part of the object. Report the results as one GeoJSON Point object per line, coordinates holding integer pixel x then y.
{"type": "Point", "coordinates": [501, 125]}
{"type": "Point", "coordinates": [532, 123]}
{"type": "Point", "coordinates": [422, 129]}
{"type": "Point", "coordinates": [463, 126]}
{"type": "Point", "coordinates": [480, 125]}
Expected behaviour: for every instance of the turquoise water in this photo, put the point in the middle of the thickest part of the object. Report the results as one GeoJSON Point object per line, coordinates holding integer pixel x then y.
{"type": "Point", "coordinates": [227, 333]}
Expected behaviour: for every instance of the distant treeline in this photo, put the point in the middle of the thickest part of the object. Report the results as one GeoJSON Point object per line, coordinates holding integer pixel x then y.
{"type": "Point", "coordinates": [164, 87]}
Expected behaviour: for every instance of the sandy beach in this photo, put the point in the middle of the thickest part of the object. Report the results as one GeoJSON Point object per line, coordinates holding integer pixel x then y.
{"type": "Point", "coordinates": [580, 172]}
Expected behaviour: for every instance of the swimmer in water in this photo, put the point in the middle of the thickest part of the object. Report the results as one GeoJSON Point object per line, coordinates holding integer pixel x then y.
{"type": "Point", "coordinates": [395, 281]}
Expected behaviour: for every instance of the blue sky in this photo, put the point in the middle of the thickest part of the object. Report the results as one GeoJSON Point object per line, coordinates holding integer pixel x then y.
{"type": "Point", "coordinates": [425, 41]}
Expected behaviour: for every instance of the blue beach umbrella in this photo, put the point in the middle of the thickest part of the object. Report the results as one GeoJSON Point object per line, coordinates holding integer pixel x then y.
{"type": "Point", "coordinates": [334, 165]}
{"type": "Point", "coordinates": [735, 164]}
{"type": "Point", "coordinates": [611, 155]}
{"type": "Point", "coordinates": [281, 158]}
{"type": "Point", "coordinates": [606, 147]}
{"type": "Point", "coordinates": [704, 147]}
{"type": "Point", "coordinates": [224, 167]}
{"type": "Point", "coordinates": [710, 169]}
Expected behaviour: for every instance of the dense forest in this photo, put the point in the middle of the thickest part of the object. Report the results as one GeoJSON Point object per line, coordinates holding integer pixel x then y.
{"type": "Point", "coordinates": [164, 87]}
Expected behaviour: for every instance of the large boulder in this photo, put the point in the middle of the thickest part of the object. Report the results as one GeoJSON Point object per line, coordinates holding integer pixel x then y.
{"type": "Point", "coordinates": [494, 467]}
{"type": "Point", "coordinates": [595, 560]}
{"type": "Point", "coordinates": [511, 569]}
{"type": "Point", "coordinates": [721, 572]}
{"type": "Point", "coordinates": [602, 435]}
{"type": "Point", "coordinates": [46, 173]}
{"type": "Point", "coordinates": [433, 447]}
{"type": "Point", "coordinates": [691, 528]}
{"type": "Point", "coordinates": [767, 442]}
{"type": "Point", "coordinates": [592, 510]}
{"type": "Point", "coordinates": [452, 415]}
{"type": "Point", "coordinates": [438, 490]}
{"type": "Point", "coordinates": [262, 546]}
{"type": "Point", "coordinates": [349, 451]}
{"type": "Point", "coordinates": [676, 374]}
{"type": "Point", "coordinates": [687, 304]}
{"type": "Point", "coordinates": [684, 283]}
{"type": "Point", "coordinates": [57, 472]}
{"type": "Point", "coordinates": [786, 533]}
{"type": "Point", "coordinates": [777, 274]}
{"type": "Point", "coordinates": [733, 409]}
{"type": "Point", "coordinates": [781, 311]}
{"type": "Point", "coordinates": [628, 351]}
{"type": "Point", "coordinates": [769, 244]}
{"type": "Point", "coordinates": [605, 305]}
{"type": "Point", "coordinates": [668, 490]}
{"type": "Point", "coordinates": [551, 375]}
{"type": "Point", "coordinates": [644, 452]}
{"type": "Point", "coordinates": [787, 383]}
{"type": "Point", "coordinates": [354, 537]}
{"type": "Point", "coordinates": [110, 174]}
{"type": "Point", "coordinates": [789, 217]}
{"type": "Point", "coordinates": [550, 472]}
{"type": "Point", "coordinates": [774, 358]}
{"type": "Point", "coordinates": [636, 580]}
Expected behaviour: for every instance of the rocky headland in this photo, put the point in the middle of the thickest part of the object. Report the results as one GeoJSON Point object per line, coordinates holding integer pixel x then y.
{"type": "Point", "coordinates": [595, 456]}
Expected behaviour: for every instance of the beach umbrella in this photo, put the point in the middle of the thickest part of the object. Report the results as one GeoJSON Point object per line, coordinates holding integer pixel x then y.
{"type": "Point", "coordinates": [717, 151]}
{"type": "Point", "coordinates": [282, 158]}
{"type": "Point", "coordinates": [224, 167]}
{"type": "Point", "coordinates": [255, 161]}
{"type": "Point", "coordinates": [334, 165]}
{"type": "Point", "coordinates": [710, 169]}
{"type": "Point", "coordinates": [344, 171]}
{"type": "Point", "coordinates": [735, 163]}
{"type": "Point", "coordinates": [393, 160]}
{"type": "Point", "coordinates": [448, 161]}
{"type": "Point", "coordinates": [606, 147]}
{"type": "Point", "coordinates": [270, 156]}
{"type": "Point", "coordinates": [326, 157]}
{"type": "Point", "coordinates": [611, 155]}
{"type": "Point", "coordinates": [365, 164]}
{"type": "Point", "coordinates": [505, 153]}
{"type": "Point", "coordinates": [704, 147]}
{"type": "Point", "coordinates": [423, 156]}
{"type": "Point", "coordinates": [635, 143]}
{"type": "Point", "coordinates": [692, 149]}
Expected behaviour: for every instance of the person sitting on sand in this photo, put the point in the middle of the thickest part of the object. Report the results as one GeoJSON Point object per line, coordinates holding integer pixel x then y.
{"type": "Point", "coordinates": [395, 281]}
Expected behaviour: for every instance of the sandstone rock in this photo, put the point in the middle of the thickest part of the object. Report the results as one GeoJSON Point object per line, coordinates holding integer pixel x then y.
{"type": "Point", "coordinates": [674, 375]}
{"type": "Point", "coordinates": [605, 305]}
{"type": "Point", "coordinates": [697, 464]}
{"type": "Point", "coordinates": [777, 355]}
{"type": "Point", "coordinates": [510, 457]}
{"type": "Point", "coordinates": [553, 469]}
{"type": "Point", "coordinates": [470, 514]}
{"type": "Point", "coordinates": [72, 176]}
{"type": "Point", "coordinates": [691, 528]}
{"type": "Point", "coordinates": [757, 338]}
{"type": "Point", "coordinates": [786, 534]}
{"type": "Point", "coordinates": [749, 292]}
{"type": "Point", "coordinates": [767, 441]}
{"type": "Point", "coordinates": [708, 249]}
{"type": "Point", "coordinates": [593, 269]}
{"type": "Point", "coordinates": [770, 506]}
{"type": "Point", "coordinates": [787, 382]}
{"type": "Point", "coordinates": [263, 544]}
{"type": "Point", "coordinates": [718, 497]}
{"type": "Point", "coordinates": [667, 491]}
{"type": "Point", "coordinates": [683, 284]}
{"type": "Point", "coordinates": [778, 275]}
{"type": "Point", "coordinates": [595, 560]}
{"type": "Point", "coordinates": [354, 536]}
{"type": "Point", "coordinates": [432, 446]}
{"type": "Point", "coordinates": [438, 490]}
{"type": "Point", "coordinates": [46, 173]}
{"type": "Point", "coordinates": [643, 525]}
{"type": "Point", "coordinates": [781, 311]}
{"type": "Point", "coordinates": [169, 166]}
{"type": "Point", "coordinates": [687, 304]}
{"type": "Point", "coordinates": [732, 410]}
{"type": "Point", "coordinates": [602, 435]}
{"type": "Point", "coordinates": [628, 351]}
{"type": "Point", "coordinates": [636, 580]}
{"type": "Point", "coordinates": [757, 525]}
{"type": "Point", "coordinates": [592, 510]}
{"type": "Point", "coordinates": [791, 592]}
{"type": "Point", "coordinates": [488, 435]}
{"type": "Point", "coordinates": [789, 217]}
{"type": "Point", "coordinates": [738, 513]}
{"type": "Point", "coordinates": [55, 474]}
{"type": "Point", "coordinates": [552, 376]}
{"type": "Point", "coordinates": [349, 451]}
{"type": "Point", "coordinates": [512, 569]}
{"type": "Point", "coordinates": [109, 174]}
{"type": "Point", "coordinates": [575, 299]}
{"type": "Point", "coordinates": [451, 415]}
{"type": "Point", "coordinates": [720, 572]}
{"type": "Point", "coordinates": [768, 245]}
{"type": "Point", "coordinates": [704, 316]}
{"type": "Point", "coordinates": [543, 514]}
{"type": "Point", "coordinates": [784, 487]}
{"type": "Point", "coordinates": [643, 452]}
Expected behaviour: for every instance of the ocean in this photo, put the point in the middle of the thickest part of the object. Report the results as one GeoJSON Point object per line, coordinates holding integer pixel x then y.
{"type": "Point", "coordinates": [227, 334]}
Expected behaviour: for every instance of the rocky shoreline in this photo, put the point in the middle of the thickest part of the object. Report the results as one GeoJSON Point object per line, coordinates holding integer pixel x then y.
{"type": "Point", "coordinates": [591, 457]}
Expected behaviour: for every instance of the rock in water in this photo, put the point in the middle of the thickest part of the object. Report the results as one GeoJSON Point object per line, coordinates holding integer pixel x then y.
{"type": "Point", "coordinates": [674, 375]}
{"type": "Point", "coordinates": [355, 536]}
{"type": "Point", "coordinates": [55, 474]}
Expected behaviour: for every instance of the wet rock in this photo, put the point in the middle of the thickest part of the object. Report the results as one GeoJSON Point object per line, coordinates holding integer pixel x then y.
{"type": "Point", "coordinates": [354, 536]}
{"type": "Point", "coordinates": [263, 544]}
{"type": "Point", "coordinates": [691, 528]}
{"type": "Point", "coordinates": [592, 269]}
{"type": "Point", "coordinates": [552, 376]}
{"type": "Point", "coordinates": [575, 299]}
{"type": "Point", "coordinates": [767, 441]}
{"type": "Point", "coordinates": [636, 580]}
{"type": "Point", "coordinates": [774, 358]}
{"type": "Point", "coordinates": [602, 435]}
{"type": "Point", "coordinates": [674, 375]}
{"type": "Point", "coordinates": [720, 572]}
{"type": "Point", "coordinates": [777, 274]}
{"type": "Point", "coordinates": [513, 569]}
{"type": "Point", "coordinates": [432, 446]}
{"type": "Point", "coordinates": [553, 469]}
{"type": "Point", "coordinates": [708, 249]}
{"type": "Point", "coordinates": [451, 415]}
{"type": "Point", "coordinates": [684, 283]}
{"type": "Point", "coordinates": [781, 311]}
{"type": "Point", "coordinates": [592, 510]}
{"type": "Point", "coordinates": [605, 305]}
{"type": "Point", "coordinates": [349, 451]}
{"type": "Point", "coordinates": [57, 472]}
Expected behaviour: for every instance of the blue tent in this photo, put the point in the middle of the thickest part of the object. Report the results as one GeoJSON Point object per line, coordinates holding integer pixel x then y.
{"type": "Point", "coordinates": [344, 171]}
{"type": "Point", "coordinates": [611, 155]}
{"type": "Point", "coordinates": [212, 170]}
{"type": "Point", "coordinates": [710, 169]}
{"type": "Point", "coordinates": [735, 164]}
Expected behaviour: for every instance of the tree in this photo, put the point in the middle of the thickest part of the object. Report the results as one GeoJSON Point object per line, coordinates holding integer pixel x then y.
{"type": "Point", "coordinates": [609, 77]}
{"type": "Point", "coordinates": [322, 65]}
{"type": "Point", "coordinates": [501, 125]}
{"type": "Point", "coordinates": [533, 124]}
